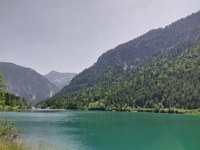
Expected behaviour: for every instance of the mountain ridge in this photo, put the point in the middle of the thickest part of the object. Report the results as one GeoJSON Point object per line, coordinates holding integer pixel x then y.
{"type": "Point", "coordinates": [156, 71]}
{"type": "Point", "coordinates": [26, 82]}
{"type": "Point", "coordinates": [124, 57]}
{"type": "Point", "coordinates": [165, 84]}
{"type": "Point", "coordinates": [60, 79]}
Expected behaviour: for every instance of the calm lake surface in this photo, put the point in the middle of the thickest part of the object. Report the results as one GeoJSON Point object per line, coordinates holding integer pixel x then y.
{"type": "Point", "coordinates": [77, 130]}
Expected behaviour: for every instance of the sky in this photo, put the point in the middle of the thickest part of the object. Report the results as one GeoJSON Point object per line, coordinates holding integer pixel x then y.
{"type": "Point", "coordinates": [70, 35]}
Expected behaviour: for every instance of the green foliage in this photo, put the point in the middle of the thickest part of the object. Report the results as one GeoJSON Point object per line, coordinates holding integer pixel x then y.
{"type": "Point", "coordinates": [10, 101]}
{"type": "Point", "coordinates": [2, 86]}
{"type": "Point", "coordinates": [119, 61]}
{"type": "Point", "coordinates": [9, 135]}
{"type": "Point", "coordinates": [10, 139]}
{"type": "Point", "coordinates": [9, 131]}
{"type": "Point", "coordinates": [2, 82]}
{"type": "Point", "coordinates": [7, 145]}
{"type": "Point", "coordinates": [13, 101]}
{"type": "Point", "coordinates": [158, 71]}
{"type": "Point", "coordinates": [170, 81]}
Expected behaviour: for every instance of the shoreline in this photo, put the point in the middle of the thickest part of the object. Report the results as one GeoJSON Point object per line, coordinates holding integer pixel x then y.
{"type": "Point", "coordinates": [148, 110]}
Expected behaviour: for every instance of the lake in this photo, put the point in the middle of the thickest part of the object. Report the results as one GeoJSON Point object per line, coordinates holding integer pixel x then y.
{"type": "Point", "coordinates": [94, 130]}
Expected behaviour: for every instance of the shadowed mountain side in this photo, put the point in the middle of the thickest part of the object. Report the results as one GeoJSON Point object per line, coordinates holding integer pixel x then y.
{"type": "Point", "coordinates": [27, 83]}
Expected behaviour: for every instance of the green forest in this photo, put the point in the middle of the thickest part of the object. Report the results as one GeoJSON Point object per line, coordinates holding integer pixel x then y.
{"type": "Point", "coordinates": [168, 82]}
{"type": "Point", "coordinates": [158, 71]}
{"type": "Point", "coordinates": [10, 101]}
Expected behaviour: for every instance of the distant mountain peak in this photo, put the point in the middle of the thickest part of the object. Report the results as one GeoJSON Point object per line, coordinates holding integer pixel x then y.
{"type": "Point", "coordinates": [53, 72]}
{"type": "Point", "coordinates": [57, 72]}
{"type": "Point", "coordinates": [60, 79]}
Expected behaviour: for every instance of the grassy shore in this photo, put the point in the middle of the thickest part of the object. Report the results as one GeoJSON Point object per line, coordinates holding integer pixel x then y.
{"type": "Point", "coordinates": [9, 136]}
{"type": "Point", "coordinates": [8, 145]}
{"type": "Point", "coordinates": [10, 139]}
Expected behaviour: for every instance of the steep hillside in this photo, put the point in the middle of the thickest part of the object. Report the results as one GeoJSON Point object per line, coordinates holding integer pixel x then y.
{"type": "Point", "coordinates": [9, 101]}
{"type": "Point", "coordinates": [171, 80]}
{"type": "Point", "coordinates": [123, 58]}
{"type": "Point", "coordinates": [26, 83]}
{"type": "Point", "coordinates": [59, 79]}
{"type": "Point", "coordinates": [159, 69]}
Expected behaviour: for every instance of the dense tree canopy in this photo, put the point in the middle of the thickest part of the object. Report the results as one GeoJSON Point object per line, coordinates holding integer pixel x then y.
{"type": "Point", "coordinates": [2, 83]}
{"type": "Point", "coordinates": [2, 86]}
{"type": "Point", "coordinates": [171, 80]}
{"type": "Point", "coordinates": [158, 70]}
{"type": "Point", "coordinates": [120, 60]}
{"type": "Point", "coordinates": [9, 101]}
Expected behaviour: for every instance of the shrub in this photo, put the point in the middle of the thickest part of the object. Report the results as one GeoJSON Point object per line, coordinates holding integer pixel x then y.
{"type": "Point", "coordinates": [9, 131]}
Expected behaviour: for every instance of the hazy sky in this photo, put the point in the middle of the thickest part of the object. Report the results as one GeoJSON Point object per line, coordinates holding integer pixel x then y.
{"type": "Point", "coordinates": [69, 35]}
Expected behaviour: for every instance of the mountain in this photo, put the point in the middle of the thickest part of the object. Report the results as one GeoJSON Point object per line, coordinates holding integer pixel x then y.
{"type": "Point", "coordinates": [159, 69]}
{"type": "Point", "coordinates": [9, 101]}
{"type": "Point", "coordinates": [26, 83]}
{"type": "Point", "coordinates": [170, 81]}
{"type": "Point", "coordinates": [59, 79]}
{"type": "Point", "coordinates": [120, 60]}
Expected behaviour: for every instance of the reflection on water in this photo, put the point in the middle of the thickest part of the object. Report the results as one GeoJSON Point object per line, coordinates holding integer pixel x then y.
{"type": "Point", "coordinates": [79, 130]}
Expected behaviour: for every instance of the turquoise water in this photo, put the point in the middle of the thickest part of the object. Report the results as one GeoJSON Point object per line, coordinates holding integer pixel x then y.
{"type": "Point", "coordinates": [77, 130]}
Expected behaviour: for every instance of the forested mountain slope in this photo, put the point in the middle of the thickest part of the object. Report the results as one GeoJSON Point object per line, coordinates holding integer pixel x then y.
{"type": "Point", "coordinates": [171, 80]}
{"type": "Point", "coordinates": [123, 58]}
{"type": "Point", "coordinates": [160, 69]}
